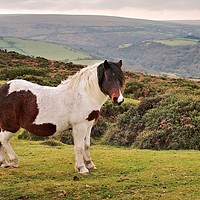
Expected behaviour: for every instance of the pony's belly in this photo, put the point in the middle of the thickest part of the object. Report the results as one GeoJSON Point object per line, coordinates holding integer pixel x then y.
{"type": "Point", "coordinates": [46, 129]}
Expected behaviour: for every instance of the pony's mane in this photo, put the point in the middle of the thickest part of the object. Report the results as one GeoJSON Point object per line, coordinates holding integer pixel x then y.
{"type": "Point", "coordinates": [84, 75]}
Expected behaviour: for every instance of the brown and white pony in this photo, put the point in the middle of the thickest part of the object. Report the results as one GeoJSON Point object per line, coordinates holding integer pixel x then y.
{"type": "Point", "coordinates": [44, 110]}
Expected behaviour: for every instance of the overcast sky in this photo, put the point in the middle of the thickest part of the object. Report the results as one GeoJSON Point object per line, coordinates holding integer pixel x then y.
{"type": "Point", "coordinates": [145, 9]}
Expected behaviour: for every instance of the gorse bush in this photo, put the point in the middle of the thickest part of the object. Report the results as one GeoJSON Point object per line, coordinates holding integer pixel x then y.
{"type": "Point", "coordinates": [148, 103]}
{"type": "Point", "coordinates": [52, 142]}
{"type": "Point", "coordinates": [124, 131]}
{"type": "Point", "coordinates": [174, 124]}
{"type": "Point", "coordinates": [37, 79]}
{"type": "Point", "coordinates": [99, 129]}
{"type": "Point", "coordinates": [111, 112]}
{"type": "Point", "coordinates": [137, 90]}
{"type": "Point", "coordinates": [65, 137]}
{"type": "Point", "coordinates": [13, 73]}
{"type": "Point", "coordinates": [163, 123]}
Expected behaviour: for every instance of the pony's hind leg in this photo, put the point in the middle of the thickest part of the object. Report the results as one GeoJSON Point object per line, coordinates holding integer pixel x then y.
{"type": "Point", "coordinates": [4, 139]}
{"type": "Point", "coordinates": [3, 162]}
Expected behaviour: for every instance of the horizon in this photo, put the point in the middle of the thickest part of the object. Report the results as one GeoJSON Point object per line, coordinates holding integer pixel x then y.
{"type": "Point", "coordinates": [98, 15]}
{"type": "Point", "coordinates": [136, 9]}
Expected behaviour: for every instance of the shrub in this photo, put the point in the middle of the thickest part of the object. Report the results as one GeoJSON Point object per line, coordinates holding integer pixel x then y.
{"type": "Point", "coordinates": [13, 73]}
{"type": "Point", "coordinates": [110, 112]}
{"type": "Point", "coordinates": [64, 137]}
{"type": "Point", "coordinates": [129, 124]}
{"type": "Point", "coordinates": [99, 129]}
{"type": "Point", "coordinates": [136, 90]}
{"type": "Point", "coordinates": [148, 103]}
{"type": "Point", "coordinates": [158, 123]}
{"type": "Point", "coordinates": [116, 137]}
{"type": "Point", "coordinates": [125, 130]}
{"type": "Point", "coordinates": [174, 124]}
{"type": "Point", "coordinates": [42, 62]}
{"type": "Point", "coordinates": [52, 142]}
{"type": "Point", "coordinates": [36, 79]}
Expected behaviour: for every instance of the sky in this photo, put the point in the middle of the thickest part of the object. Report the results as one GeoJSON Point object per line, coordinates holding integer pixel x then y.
{"type": "Point", "coordinates": [143, 9]}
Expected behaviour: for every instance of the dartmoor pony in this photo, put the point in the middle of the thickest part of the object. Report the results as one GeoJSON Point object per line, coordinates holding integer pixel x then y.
{"type": "Point", "coordinates": [44, 110]}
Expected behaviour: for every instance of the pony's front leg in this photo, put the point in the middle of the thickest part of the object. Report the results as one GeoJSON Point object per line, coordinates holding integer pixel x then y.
{"type": "Point", "coordinates": [87, 156]}
{"type": "Point", "coordinates": [79, 134]}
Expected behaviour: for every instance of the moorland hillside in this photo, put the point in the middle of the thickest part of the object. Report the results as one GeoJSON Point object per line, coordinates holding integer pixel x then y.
{"type": "Point", "coordinates": [158, 112]}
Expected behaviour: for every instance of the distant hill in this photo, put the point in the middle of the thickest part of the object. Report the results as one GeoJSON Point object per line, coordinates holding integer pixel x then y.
{"type": "Point", "coordinates": [159, 58]}
{"type": "Point", "coordinates": [112, 38]}
{"type": "Point", "coordinates": [191, 22]}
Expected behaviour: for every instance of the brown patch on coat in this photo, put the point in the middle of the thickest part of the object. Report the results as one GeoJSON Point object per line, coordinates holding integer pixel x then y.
{"type": "Point", "coordinates": [19, 109]}
{"type": "Point", "coordinates": [94, 115]}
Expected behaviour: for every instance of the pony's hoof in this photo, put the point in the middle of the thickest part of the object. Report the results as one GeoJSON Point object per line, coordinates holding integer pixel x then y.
{"type": "Point", "coordinates": [82, 170]}
{"type": "Point", "coordinates": [91, 165]}
{"type": "Point", "coordinates": [4, 164]}
{"type": "Point", "coordinates": [85, 173]}
{"type": "Point", "coordinates": [94, 168]}
{"type": "Point", "coordinates": [14, 163]}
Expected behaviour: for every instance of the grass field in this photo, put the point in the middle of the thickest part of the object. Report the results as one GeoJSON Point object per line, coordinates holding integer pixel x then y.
{"type": "Point", "coordinates": [177, 42]}
{"type": "Point", "coordinates": [123, 173]}
{"type": "Point", "coordinates": [43, 49]}
{"type": "Point", "coordinates": [86, 62]}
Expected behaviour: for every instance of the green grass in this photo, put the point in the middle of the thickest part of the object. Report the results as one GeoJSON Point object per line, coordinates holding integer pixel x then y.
{"type": "Point", "coordinates": [43, 49]}
{"type": "Point", "coordinates": [177, 42]}
{"type": "Point", "coordinates": [122, 46]}
{"type": "Point", "coordinates": [123, 173]}
{"type": "Point", "coordinates": [86, 62]}
{"type": "Point", "coordinates": [2, 82]}
{"type": "Point", "coordinates": [4, 44]}
{"type": "Point", "coordinates": [131, 101]}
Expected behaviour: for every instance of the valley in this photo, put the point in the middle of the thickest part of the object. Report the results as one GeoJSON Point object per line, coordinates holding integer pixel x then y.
{"type": "Point", "coordinates": [114, 38]}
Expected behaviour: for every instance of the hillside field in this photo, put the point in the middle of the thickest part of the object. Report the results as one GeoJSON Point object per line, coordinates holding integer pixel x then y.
{"type": "Point", "coordinates": [47, 50]}
{"type": "Point", "coordinates": [177, 41]}
{"type": "Point", "coordinates": [123, 173]}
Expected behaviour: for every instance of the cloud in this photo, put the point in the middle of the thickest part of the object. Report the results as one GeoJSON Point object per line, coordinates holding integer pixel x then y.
{"type": "Point", "coordinates": [130, 8]}
{"type": "Point", "coordinates": [102, 4]}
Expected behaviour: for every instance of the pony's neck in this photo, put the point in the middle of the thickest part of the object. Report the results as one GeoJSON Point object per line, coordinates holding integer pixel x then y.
{"type": "Point", "coordinates": [92, 88]}
{"type": "Point", "coordinates": [86, 82]}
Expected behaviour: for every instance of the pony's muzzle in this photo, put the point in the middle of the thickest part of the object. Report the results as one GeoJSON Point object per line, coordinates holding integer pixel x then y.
{"type": "Point", "coordinates": [118, 100]}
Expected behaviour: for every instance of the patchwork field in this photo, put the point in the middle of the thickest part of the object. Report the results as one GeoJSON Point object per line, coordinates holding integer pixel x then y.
{"type": "Point", "coordinates": [47, 172]}
{"type": "Point", "coordinates": [177, 42]}
{"type": "Point", "coordinates": [43, 49]}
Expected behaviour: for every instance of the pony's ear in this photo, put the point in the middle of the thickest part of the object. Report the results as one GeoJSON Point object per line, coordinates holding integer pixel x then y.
{"type": "Point", "coordinates": [106, 64]}
{"type": "Point", "coordinates": [120, 63]}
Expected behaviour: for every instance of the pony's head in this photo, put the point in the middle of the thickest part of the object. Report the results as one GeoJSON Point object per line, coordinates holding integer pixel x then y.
{"type": "Point", "coordinates": [111, 80]}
